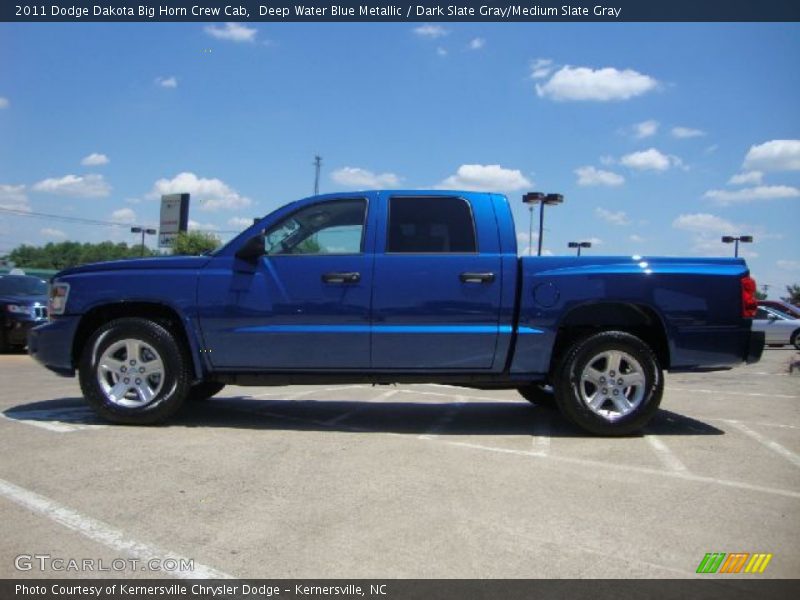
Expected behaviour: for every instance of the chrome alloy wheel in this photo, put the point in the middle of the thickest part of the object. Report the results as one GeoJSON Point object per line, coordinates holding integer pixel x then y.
{"type": "Point", "coordinates": [130, 373]}
{"type": "Point", "coordinates": [612, 384]}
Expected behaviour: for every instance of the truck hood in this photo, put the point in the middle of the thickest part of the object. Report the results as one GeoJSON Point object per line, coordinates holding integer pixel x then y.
{"type": "Point", "coordinates": [142, 264]}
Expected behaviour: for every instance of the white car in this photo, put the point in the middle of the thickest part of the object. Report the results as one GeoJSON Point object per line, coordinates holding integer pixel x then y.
{"type": "Point", "coordinates": [779, 329]}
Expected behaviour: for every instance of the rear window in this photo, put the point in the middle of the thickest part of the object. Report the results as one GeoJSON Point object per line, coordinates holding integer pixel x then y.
{"type": "Point", "coordinates": [430, 225]}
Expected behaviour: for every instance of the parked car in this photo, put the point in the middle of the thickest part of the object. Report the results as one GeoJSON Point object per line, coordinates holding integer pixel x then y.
{"type": "Point", "coordinates": [23, 304]}
{"type": "Point", "coordinates": [396, 286]}
{"type": "Point", "coordinates": [779, 329]}
{"type": "Point", "coordinates": [790, 309]}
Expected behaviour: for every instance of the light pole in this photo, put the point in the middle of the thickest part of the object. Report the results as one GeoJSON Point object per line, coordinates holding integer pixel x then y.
{"type": "Point", "coordinates": [730, 239]}
{"type": "Point", "coordinates": [530, 199]}
{"type": "Point", "coordinates": [143, 231]}
{"type": "Point", "coordinates": [580, 245]}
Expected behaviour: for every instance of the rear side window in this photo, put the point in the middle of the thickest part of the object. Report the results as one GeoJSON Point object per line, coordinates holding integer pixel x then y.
{"type": "Point", "coordinates": [430, 225]}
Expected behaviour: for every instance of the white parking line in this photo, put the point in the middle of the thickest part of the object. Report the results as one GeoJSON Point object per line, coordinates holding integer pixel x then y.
{"type": "Point", "coordinates": [293, 395]}
{"type": "Point", "coordinates": [541, 437]}
{"type": "Point", "coordinates": [767, 443]}
{"type": "Point", "coordinates": [61, 420]}
{"type": "Point", "coordinates": [730, 393]}
{"type": "Point", "coordinates": [595, 464]}
{"type": "Point", "coordinates": [665, 455]}
{"type": "Point", "coordinates": [101, 532]}
{"type": "Point", "coordinates": [361, 407]}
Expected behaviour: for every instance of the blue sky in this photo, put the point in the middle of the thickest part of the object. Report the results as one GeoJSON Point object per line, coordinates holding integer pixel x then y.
{"type": "Point", "coordinates": [662, 137]}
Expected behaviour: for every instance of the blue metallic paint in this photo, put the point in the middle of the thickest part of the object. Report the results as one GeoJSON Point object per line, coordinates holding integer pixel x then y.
{"type": "Point", "coordinates": [409, 312]}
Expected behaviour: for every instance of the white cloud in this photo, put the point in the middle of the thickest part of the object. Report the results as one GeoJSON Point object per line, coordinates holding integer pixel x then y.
{"type": "Point", "coordinates": [748, 177]}
{"type": "Point", "coordinates": [13, 197]}
{"type": "Point", "coordinates": [362, 178]}
{"type": "Point", "coordinates": [686, 132]}
{"type": "Point", "coordinates": [124, 215]}
{"type": "Point", "coordinates": [650, 160]}
{"type": "Point", "coordinates": [607, 160]}
{"type": "Point", "coordinates": [541, 68]}
{"type": "Point", "coordinates": [75, 186]}
{"type": "Point", "coordinates": [4, 103]}
{"type": "Point", "coordinates": [636, 238]}
{"type": "Point", "coordinates": [232, 32]}
{"type": "Point", "coordinates": [50, 232]}
{"type": "Point", "coordinates": [789, 265]}
{"type": "Point", "coordinates": [645, 129]}
{"type": "Point", "coordinates": [94, 160]}
{"type": "Point", "coordinates": [196, 226]}
{"type": "Point", "coordinates": [704, 223]}
{"type": "Point", "coordinates": [167, 82]}
{"type": "Point", "coordinates": [775, 155]}
{"type": "Point", "coordinates": [431, 31]}
{"type": "Point", "coordinates": [486, 178]}
{"type": "Point", "coordinates": [594, 241]}
{"type": "Point", "coordinates": [615, 218]}
{"type": "Point", "coordinates": [602, 85]}
{"type": "Point", "coordinates": [591, 176]}
{"type": "Point", "coordinates": [752, 194]}
{"type": "Point", "coordinates": [441, 51]}
{"type": "Point", "coordinates": [209, 194]}
{"type": "Point", "coordinates": [240, 222]}
{"type": "Point", "coordinates": [477, 43]}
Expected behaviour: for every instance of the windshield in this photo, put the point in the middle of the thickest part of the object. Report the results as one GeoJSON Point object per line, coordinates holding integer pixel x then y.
{"type": "Point", "coordinates": [16, 285]}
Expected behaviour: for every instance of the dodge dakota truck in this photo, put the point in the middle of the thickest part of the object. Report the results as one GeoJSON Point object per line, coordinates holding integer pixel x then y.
{"type": "Point", "coordinates": [389, 287]}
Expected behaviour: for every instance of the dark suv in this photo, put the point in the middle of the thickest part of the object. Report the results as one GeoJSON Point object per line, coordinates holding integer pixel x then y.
{"type": "Point", "coordinates": [23, 304]}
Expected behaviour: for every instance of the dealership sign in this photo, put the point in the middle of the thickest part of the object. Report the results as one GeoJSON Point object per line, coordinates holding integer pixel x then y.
{"type": "Point", "coordinates": [174, 218]}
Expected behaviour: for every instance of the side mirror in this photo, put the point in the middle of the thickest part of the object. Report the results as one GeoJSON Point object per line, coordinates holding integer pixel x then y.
{"type": "Point", "coordinates": [252, 249]}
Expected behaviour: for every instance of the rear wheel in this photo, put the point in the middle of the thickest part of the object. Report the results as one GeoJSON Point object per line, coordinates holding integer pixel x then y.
{"type": "Point", "coordinates": [796, 339]}
{"type": "Point", "coordinates": [133, 371]}
{"type": "Point", "coordinates": [609, 384]}
{"type": "Point", "coordinates": [204, 390]}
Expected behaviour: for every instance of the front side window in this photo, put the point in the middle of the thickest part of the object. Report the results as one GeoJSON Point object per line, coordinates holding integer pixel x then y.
{"type": "Point", "coordinates": [430, 225]}
{"type": "Point", "coordinates": [335, 227]}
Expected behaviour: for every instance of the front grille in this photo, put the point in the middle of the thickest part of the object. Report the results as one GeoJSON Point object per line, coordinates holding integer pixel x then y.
{"type": "Point", "coordinates": [39, 312]}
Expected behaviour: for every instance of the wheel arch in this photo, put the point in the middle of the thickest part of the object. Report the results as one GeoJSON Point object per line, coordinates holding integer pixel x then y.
{"type": "Point", "coordinates": [592, 317]}
{"type": "Point", "coordinates": [163, 314]}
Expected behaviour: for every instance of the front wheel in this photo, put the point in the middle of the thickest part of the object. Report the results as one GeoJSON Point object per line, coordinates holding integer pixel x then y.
{"type": "Point", "coordinates": [134, 371]}
{"type": "Point", "coordinates": [609, 383]}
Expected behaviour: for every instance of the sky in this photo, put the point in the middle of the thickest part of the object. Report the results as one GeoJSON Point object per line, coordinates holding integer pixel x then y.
{"type": "Point", "coordinates": [662, 137]}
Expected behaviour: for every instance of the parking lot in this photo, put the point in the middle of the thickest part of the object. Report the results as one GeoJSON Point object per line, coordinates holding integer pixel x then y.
{"type": "Point", "coordinates": [416, 481]}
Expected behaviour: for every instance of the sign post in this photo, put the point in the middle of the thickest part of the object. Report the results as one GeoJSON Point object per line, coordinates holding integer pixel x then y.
{"type": "Point", "coordinates": [174, 218]}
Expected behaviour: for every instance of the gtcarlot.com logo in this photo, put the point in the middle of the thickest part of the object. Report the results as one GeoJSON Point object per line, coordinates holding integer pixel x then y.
{"type": "Point", "coordinates": [736, 562]}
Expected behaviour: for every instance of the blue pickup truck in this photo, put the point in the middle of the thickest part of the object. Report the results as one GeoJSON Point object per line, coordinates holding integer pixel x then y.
{"type": "Point", "coordinates": [396, 286]}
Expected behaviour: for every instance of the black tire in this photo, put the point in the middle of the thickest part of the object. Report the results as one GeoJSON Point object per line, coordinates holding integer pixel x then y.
{"type": "Point", "coordinates": [796, 339]}
{"type": "Point", "coordinates": [538, 394]}
{"type": "Point", "coordinates": [204, 390]}
{"type": "Point", "coordinates": [4, 346]}
{"type": "Point", "coordinates": [592, 358]}
{"type": "Point", "coordinates": [131, 408]}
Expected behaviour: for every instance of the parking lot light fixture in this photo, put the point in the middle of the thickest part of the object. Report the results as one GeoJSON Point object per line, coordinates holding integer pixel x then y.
{"type": "Point", "coordinates": [579, 245]}
{"type": "Point", "coordinates": [144, 231]}
{"type": "Point", "coordinates": [532, 198]}
{"type": "Point", "coordinates": [730, 239]}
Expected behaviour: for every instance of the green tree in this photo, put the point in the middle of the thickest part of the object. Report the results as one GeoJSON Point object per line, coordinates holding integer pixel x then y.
{"type": "Point", "coordinates": [794, 294]}
{"type": "Point", "coordinates": [761, 295]}
{"type": "Point", "coordinates": [70, 254]}
{"type": "Point", "coordinates": [194, 243]}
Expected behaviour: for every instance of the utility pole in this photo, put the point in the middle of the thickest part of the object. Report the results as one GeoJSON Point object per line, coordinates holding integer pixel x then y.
{"type": "Point", "coordinates": [317, 167]}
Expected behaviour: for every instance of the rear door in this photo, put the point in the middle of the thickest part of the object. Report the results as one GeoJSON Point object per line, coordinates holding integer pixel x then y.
{"type": "Point", "coordinates": [437, 282]}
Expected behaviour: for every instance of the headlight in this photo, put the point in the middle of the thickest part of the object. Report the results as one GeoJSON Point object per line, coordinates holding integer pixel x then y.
{"type": "Point", "coordinates": [18, 309]}
{"type": "Point", "coordinates": [58, 299]}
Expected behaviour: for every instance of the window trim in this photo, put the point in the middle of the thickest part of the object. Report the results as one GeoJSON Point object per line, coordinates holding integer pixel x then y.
{"type": "Point", "coordinates": [361, 251]}
{"type": "Point", "coordinates": [431, 197]}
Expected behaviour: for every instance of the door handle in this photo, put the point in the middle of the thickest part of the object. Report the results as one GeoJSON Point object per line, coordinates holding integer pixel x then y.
{"type": "Point", "coordinates": [351, 277]}
{"type": "Point", "coordinates": [477, 277]}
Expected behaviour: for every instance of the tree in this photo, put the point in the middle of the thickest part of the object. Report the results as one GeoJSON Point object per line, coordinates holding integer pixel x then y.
{"type": "Point", "coordinates": [761, 295]}
{"type": "Point", "coordinates": [194, 243]}
{"type": "Point", "coordinates": [70, 254]}
{"type": "Point", "coordinates": [794, 294]}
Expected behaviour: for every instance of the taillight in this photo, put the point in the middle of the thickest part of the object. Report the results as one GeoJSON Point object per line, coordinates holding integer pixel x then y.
{"type": "Point", "coordinates": [749, 300]}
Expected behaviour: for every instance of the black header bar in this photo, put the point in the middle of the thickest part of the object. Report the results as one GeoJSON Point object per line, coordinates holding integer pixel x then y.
{"type": "Point", "coordinates": [277, 11]}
